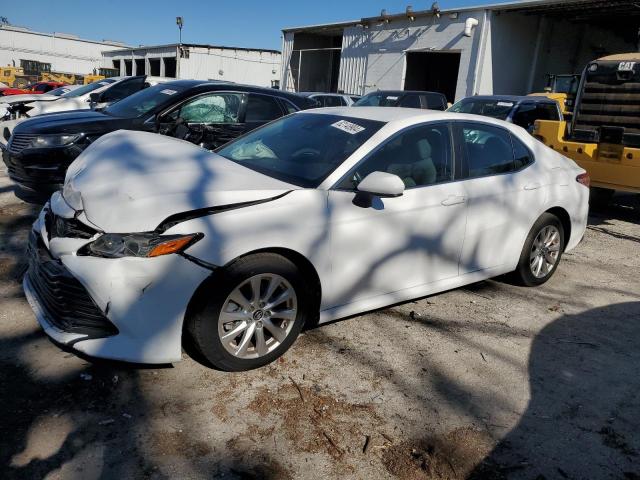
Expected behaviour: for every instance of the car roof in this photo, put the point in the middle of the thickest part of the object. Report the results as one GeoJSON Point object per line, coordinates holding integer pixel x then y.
{"type": "Point", "coordinates": [404, 92]}
{"type": "Point", "coordinates": [512, 98]}
{"type": "Point", "coordinates": [333, 94]}
{"type": "Point", "coordinates": [380, 114]}
{"type": "Point", "coordinates": [399, 114]}
{"type": "Point", "coordinates": [214, 85]}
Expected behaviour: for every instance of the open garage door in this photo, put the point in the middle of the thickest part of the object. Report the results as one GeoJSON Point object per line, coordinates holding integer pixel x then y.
{"type": "Point", "coordinates": [433, 71]}
{"type": "Point", "coordinates": [553, 37]}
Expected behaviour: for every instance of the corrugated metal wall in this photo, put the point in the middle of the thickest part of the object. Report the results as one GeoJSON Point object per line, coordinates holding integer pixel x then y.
{"type": "Point", "coordinates": [286, 81]}
{"type": "Point", "coordinates": [353, 61]}
{"type": "Point", "coordinates": [240, 66]}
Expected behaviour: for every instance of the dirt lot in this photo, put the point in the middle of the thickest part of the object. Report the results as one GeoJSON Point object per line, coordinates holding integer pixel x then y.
{"type": "Point", "coordinates": [489, 381]}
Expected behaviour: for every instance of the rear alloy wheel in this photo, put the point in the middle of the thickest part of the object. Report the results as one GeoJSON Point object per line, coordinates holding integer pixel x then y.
{"type": "Point", "coordinates": [252, 313]}
{"type": "Point", "coordinates": [541, 252]}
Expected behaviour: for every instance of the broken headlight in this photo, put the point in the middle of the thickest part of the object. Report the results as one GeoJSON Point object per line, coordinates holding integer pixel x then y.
{"type": "Point", "coordinates": [118, 245]}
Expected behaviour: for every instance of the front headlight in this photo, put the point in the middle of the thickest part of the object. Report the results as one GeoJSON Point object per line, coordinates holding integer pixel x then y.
{"type": "Point", "coordinates": [150, 244]}
{"type": "Point", "coordinates": [45, 141]}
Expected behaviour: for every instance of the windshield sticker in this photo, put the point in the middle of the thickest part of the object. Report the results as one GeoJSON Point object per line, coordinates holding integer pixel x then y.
{"type": "Point", "coordinates": [348, 127]}
{"type": "Point", "coordinates": [505, 104]}
{"type": "Point", "coordinates": [167, 91]}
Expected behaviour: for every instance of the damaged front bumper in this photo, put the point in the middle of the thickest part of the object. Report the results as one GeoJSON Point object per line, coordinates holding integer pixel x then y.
{"type": "Point", "coordinates": [129, 309]}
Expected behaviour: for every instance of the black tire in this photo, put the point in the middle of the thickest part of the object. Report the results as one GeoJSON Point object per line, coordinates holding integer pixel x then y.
{"type": "Point", "coordinates": [20, 83]}
{"type": "Point", "coordinates": [202, 324]}
{"type": "Point", "coordinates": [523, 274]}
{"type": "Point", "coordinates": [600, 197]}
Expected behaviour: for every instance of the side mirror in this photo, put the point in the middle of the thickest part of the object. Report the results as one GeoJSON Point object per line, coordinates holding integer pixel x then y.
{"type": "Point", "coordinates": [95, 97]}
{"type": "Point", "coordinates": [382, 184]}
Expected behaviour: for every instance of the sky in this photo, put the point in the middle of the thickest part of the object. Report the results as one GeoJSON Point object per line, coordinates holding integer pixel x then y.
{"type": "Point", "coordinates": [248, 23]}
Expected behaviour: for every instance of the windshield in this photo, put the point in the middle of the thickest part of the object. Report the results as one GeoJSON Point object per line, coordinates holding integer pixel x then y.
{"type": "Point", "coordinates": [499, 109]}
{"type": "Point", "coordinates": [303, 148]}
{"type": "Point", "coordinates": [378, 99]}
{"type": "Point", "coordinates": [142, 102]}
{"type": "Point", "coordinates": [78, 92]}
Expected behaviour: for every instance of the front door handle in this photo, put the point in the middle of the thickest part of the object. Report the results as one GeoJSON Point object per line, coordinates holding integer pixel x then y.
{"type": "Point", "coordinates": [453, 200]}
{"type": "Point", "coordinates": [532, 186]}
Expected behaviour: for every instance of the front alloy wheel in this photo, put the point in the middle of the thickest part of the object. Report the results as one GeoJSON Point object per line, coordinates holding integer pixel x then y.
{"type": "Point", "coordinates": [250, 313]}
{"type": "Point", "coordinates": [257, 316]}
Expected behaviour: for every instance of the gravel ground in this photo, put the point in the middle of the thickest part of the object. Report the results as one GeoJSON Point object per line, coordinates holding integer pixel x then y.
{"type": "Point", "coordinates": [488, 381]}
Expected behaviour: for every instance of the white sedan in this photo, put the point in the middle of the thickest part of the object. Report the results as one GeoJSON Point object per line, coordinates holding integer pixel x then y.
{"type": "Point", "coordinates": [317, 216]}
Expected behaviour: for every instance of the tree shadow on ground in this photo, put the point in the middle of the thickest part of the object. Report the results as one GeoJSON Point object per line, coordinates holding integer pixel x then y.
{"type": "Point", "coordinates": [582, 419]}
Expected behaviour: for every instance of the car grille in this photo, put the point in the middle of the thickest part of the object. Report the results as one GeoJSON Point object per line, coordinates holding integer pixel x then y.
{"type": "Point", "coordinates": [66, 227]}
{"type": "Point", "coordinates": [62, 297]}
{"type": "Point", "coordinates": [19, 142]}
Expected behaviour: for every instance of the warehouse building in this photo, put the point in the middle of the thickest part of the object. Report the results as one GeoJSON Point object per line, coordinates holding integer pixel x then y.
{"type": "Point", "coordinates": [503, 48]}
{"type": "Point", "coordinates": [200, 62]}
{"type": "Point", "coordinates": [65, 52]}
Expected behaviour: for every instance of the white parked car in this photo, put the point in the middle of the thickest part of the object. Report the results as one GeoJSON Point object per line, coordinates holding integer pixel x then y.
{"type": "Point", "coordinates": [94, 95]}
{"type": "Point", "coordinates": [319, 215]}
{"type": "Point", "coordinates": [332, 99]}
{"type": "Point", "coordinates": [12, 102]}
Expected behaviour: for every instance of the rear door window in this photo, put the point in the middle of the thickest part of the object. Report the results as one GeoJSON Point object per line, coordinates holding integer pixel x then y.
{"type": "Point", "coordinates": [262, 108]}
{"type": "Point", "coordinates": [522, 155]}
{"type": "Point", "coordinates": [487, 149]}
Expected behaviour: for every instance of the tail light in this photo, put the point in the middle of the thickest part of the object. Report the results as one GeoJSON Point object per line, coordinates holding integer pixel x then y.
{"type": "Point", "coordinates": [584, 179]}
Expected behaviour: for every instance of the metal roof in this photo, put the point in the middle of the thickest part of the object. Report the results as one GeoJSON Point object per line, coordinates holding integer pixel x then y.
{"type": "Point", "coordinates": [66, 36]}
{"type": "Point", "coordinates": [569, 9]}
{"type": "Point", "coordinates": [195, 45]}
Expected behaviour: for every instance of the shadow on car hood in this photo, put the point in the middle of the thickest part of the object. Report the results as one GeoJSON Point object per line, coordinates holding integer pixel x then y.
{"type": "Point", "coordinates": [132, 181]}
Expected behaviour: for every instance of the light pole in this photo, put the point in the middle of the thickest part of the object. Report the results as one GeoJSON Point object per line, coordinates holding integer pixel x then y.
{"type": "Point", "coordinates": [180, 23]}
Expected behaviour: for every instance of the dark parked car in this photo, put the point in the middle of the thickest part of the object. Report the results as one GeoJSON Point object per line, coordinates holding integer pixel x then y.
{"type": "Point", "coordinates": [402, 98]}
{"type": "Point", "coordinates": [522, 111]}
{"type": "Point", "coordinates": [205, 113]}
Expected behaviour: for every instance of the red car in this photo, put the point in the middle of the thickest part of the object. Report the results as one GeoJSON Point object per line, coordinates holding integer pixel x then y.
{"type": "Point", "coordinates": [36, 88]}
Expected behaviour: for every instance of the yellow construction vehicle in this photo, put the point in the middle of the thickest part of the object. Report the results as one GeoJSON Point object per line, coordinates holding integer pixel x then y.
{"type": "Point", "coordinates": [32, 71]}
{"type": "Point", "coordinates": [101, 74]}
{"type": "Point", "coordinates": [603, 136]}
{"type": "Point", "coordinates": [563, 89]}
{"type": "Point", "coordinates": [68, 78]}
{"type": "Point", "coordinates": [15, 77]}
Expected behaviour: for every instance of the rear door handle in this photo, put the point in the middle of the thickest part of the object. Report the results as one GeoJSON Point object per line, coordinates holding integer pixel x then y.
{"type": "Point", "coordinates": [532, 186]}
{"type": "Point", "coordinates": [453, 200]}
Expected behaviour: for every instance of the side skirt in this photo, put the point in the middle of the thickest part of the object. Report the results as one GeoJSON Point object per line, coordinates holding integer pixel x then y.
{"type": "Point", "coordinates": [393, 298]}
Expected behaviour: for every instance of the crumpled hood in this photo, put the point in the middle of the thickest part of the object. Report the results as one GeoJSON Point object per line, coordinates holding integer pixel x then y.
{"type": "Point", "coordinates": [132, 181]}
{"type": "Point", "coordinates": [28, 97]}
{"type": "Point", "coordinates": [84, 121]}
